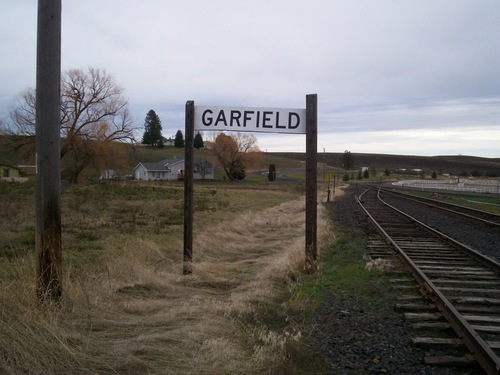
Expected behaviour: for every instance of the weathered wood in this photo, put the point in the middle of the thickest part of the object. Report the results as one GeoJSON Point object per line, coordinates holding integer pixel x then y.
{"type": "Point", "coordinates": [479, 309]}
{"type": "Point", "coordinates": [488, 283]}
{"type": "Point", "coordinates": [477, 300]}
{"type": "Point", "coordinates": [469, 290]}
{"type": "Point", "coordinates": [311, 181]}
{"type": "Point", "coordinates": [404, 287]}
{"type": "Point", "coordinates": [455, 270]}
{"type": "Point", "coordinates": [402, 280]}
{"type": "Point", "coordinates": [188, 189]}
{"type": "Point", "coordinates": [423, 316]}
{"type": "Point", "coordinates": [481, 318]}
{"type": "Point", "coordinates": [494, 344]}
{"type": "Point", "coordinates": [439, 341]}
{"type": "Point", "coordinates": [409, 297]}
{"type": "Point", "coordinates": [447, 360]}
{"type": "Point", "coordinates": [431, 325]}
{"type": "Point", "coordinates": [489, 329]}
{"type": "Point", "coordinates": [450, 272]}
{"type": "Point", "coordinates": [415, 307]}
{"type": "Point", "coordinates": [47, 147]}
{"type": "Point", "coordinates": [450, 261]}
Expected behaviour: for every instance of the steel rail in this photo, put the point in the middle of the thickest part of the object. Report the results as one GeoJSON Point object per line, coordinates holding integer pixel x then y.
{"type": "Point", "coordinates": [482, 352]}
{"type": "Point", "coordinates": [440, 206]}
{"type": "Point", "coordinates": [485, 260]}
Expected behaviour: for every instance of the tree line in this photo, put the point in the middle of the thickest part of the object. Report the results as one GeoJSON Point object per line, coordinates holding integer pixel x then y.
{"type": "Point", "coordinates": [153, 134]}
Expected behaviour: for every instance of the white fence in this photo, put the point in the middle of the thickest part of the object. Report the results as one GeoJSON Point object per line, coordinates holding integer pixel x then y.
{"type": "Point", "coordinates": [464, 185]}
{"type": "Point", "coordinates": [14, 179]}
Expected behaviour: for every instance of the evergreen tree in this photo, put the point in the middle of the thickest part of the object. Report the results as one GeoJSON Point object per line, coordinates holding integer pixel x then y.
{"type": "Point", "coordinates": [146, 137]}
{"type": "Point", "coordinates": [347, 160]}
{"type": "Point", "coordinates": [238, 171]}
{"type": "Point", "coordinates": [152, 129]}
{"type": "Point", "coordinates": [179, 139]}
{"type": "Point", "coordinates": [198, 141]}
{"type": "Point", "coordinates": [272, 172]}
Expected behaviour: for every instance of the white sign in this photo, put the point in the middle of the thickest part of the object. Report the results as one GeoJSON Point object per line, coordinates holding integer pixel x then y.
{"type": "Point", "coordinates": [269, 120]}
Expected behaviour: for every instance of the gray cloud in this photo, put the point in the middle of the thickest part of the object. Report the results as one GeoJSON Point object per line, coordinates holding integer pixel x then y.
{"type": "Point", "coordinates": [379, 68]}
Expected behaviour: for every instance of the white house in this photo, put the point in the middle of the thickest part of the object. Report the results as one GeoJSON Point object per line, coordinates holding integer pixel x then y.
{"type": "Point", "coordinates": [170, 170]}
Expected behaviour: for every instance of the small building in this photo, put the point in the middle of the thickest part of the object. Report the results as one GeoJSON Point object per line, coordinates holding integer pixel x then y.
{"type": "Point", "coordinates": [8, 171]}
{"type": "Point", "coordinates": [168, 142]}
{"type": "Point", "coordinates": [27, 170]}
{"type": "Point", "coordinates": [108, 174]}
{"type": "Point", "coordinates": [168, 170]}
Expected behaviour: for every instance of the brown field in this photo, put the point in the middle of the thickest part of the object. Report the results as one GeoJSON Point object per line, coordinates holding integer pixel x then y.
{"type": "Point", "coordinates": [128, 309]}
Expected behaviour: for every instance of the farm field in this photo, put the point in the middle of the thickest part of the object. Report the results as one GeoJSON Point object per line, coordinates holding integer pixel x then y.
{"type": "Point", "coordinates": [127, 308]}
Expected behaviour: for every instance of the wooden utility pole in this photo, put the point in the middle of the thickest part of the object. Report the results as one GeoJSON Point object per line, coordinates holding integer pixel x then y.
{"type": "Point", "coordinates": [188, 189]}
{"type": "Point", "coordinates": [311, 181]}
{"type": "Point", "coordinates": [48, 192]}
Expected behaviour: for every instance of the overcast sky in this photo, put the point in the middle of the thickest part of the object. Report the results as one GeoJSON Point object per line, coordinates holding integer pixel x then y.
{"type": "Point", "coordinates": [397, 77]}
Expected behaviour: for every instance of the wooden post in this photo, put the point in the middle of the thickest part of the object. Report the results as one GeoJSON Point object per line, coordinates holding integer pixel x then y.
{"type": "Point", "coordinates": [48, 122]}
{"type": "Point", "coordinates": [188, 189]}
{"type": "Point", "coordinates": [311, 181]}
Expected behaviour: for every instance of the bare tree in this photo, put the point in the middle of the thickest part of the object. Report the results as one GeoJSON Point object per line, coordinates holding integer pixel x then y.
{"type": "Point", "coordinates": [19, 129]}
{"type": "Point", "coordinates": [94, 113]}
{"type": "Point", "coordinates": [4, 130]}
{"type": "Point", "coordinates": [24, 112]}
{"type": "Point", "coordinates": [202, 167]}
{"type": "Point", "coordinates": [235, 153]}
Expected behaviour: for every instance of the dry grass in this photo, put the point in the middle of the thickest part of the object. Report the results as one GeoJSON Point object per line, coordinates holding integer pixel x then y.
{"type": "Point", "coordinates": [380, 265]}
{"type": "Point", "coordinates": [127, 306]}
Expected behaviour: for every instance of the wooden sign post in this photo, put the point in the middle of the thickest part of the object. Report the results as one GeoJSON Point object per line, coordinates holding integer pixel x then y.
{"type": "Point", "coordinates": [188, 189]}
{"type": "Point", "coordinates": [311, 182]}
{"type": "Point", "coordinates": [270, 120]}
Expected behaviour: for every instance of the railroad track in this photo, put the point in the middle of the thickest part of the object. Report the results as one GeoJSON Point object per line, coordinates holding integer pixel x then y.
{"type": "Point", "coordinates": [488, 218]}
{"type": "Point", "coordinates": [460, 285]}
